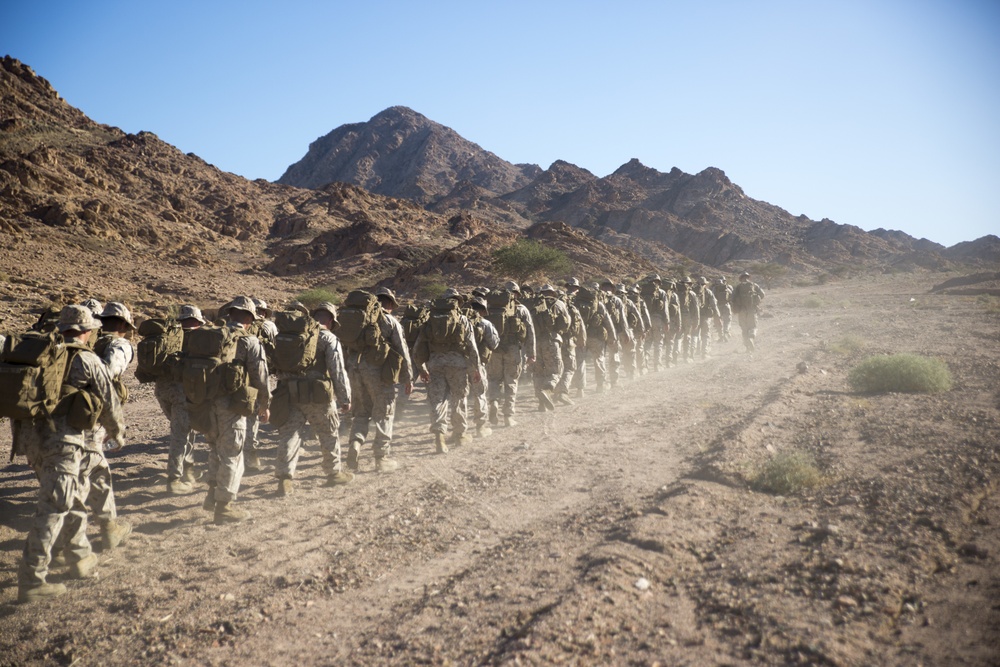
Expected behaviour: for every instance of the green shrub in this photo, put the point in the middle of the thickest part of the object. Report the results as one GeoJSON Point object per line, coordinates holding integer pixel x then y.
{"type": "Point", "coordinates": [787, 473]}
{"type": "Point", "coordinates": [526, 258]}
{"type": "Point", "coordinates": [317, 295]}
{"type": "Point", "coordinates": [909, 373]}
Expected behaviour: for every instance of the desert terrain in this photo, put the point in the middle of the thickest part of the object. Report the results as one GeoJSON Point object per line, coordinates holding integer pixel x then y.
{"type": "Point", "coordinates": [622, 530]}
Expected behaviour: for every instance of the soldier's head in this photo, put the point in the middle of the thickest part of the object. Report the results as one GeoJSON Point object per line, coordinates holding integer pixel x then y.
{"type": "Point", "coordinates": [685, 283]}
{"type": "Point", "coordinates": [116, 319]}
{"type": "Point", "coordinates": [190, 317]}
{"type": "Point", "coordinates": [387, 298]}
{"type": "Point", "coordinates": [77, 323]}
{"type": "Point", "coordinates": [745, 276]}
{"type": "Point", "coordinates": [548, 290]}
{"type": "Point", "coordinates": [94, 306]}
{"type": "Point", "coordinates": [481, 292]}
{"type": "Point", "coordinates": [241, 310]}
{"type": "Point", "coordinates": [608, 285]}
{"type": "Point", "coordinates": [454, 295]}
{"type": "Point", "coordinates": [478, 304]}
{"type": "Point", "coordinates": [721, 280]}
{"type": "Point", "coordinates": [572, 285]}
{"type": "Point", "coordinates": [326, 314]}
{"type": "Point", "coordinates": [262, 310]}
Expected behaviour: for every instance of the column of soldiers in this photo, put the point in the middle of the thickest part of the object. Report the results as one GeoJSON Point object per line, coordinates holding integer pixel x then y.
{"type": "Point", "coordinates": [310, 367]}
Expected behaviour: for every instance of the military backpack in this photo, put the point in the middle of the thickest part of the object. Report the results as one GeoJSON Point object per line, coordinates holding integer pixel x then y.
{"type": "Point", "coordinates": [32, 368]}
{"type": "Point", "coordinates": [360, 330]}
{"type": "Point", "coordinates": [295, 347]}
{"type": "Point", "coordinates": [159, 351]}
{"type": "Point", "coordinates": [503, 314]}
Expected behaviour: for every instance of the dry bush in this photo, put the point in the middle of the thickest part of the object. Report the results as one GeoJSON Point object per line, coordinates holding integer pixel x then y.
{"type": "Point", "coordinates": [910, 373]}
{"type": "Point", "coordinates": [787, 473]}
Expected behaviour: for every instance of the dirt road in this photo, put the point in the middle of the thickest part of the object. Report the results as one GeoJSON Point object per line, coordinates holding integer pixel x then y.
{"type": "Point", "coordinates": [621, 530]}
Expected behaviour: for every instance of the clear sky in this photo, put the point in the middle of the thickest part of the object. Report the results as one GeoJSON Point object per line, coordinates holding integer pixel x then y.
{"type": "Point", "coordinates": [875, 113]}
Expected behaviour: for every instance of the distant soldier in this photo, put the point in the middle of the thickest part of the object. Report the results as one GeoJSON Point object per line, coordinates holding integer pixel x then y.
{"type": "Point", "coordinates": [709, 311]}
{"type": "Point", "coordinates": [655, 299]}
{"type": "Point", "coordinates": [575, 339]}
{"type": "Point", "coordinates": [619, 317]}
{"type": "Point", "coordinates": [56, 448]}
{"type": "Point", "coordinates": [170, 395]}
{"type": "Point", "coordinates": [690, 318]}
{"type": "Point", "coordinates": [309, 367]}
{"type": "Point", "coordinates": [746, 299]}
{"type": "Point", "coordinates": [265, 330]}
{"type": "Point", "coordinates": [601, 337]}
{"type": "Point", "coordinates": [640, 323]}
{"type": "Point", "coordinates": [552, 321]}
{"type": "Point", "coordinates": [517, 345]}
{"type": "Point", "coordinates": [487, 340]}
{"type": "Point", "coordinates": [446, 358]}
{"type": "Point", "coordinates": [228, 411]}
{"type": "Point", "coordinates": [723, 292]}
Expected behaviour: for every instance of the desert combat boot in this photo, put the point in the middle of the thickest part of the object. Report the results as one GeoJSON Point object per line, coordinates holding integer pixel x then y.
{"type": "Point", "coordinates": [114, 532]}
{"type": "Point", "coordinates": [26, 594]}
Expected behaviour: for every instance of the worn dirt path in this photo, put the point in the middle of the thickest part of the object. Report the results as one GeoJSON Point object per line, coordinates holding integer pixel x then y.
{"type": "Point", "coordinates": [619, 530]}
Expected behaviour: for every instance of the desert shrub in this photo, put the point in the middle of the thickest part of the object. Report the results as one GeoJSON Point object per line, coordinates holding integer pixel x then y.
{"type": "Point", "coordinates": [432, 288]}
{"type": "Point", "coordinates": [909, 373]}
{"type": "Point", "coordinates": [989, 303]}
{"type": "Point", "coordinates": [787, 473]}
{"type": "Point", "coordinates": [317, 295]}
{"type": "Point", "coordinates": [526, 258]}
{"type": "Point", "coordinates": [813, 301]}
{"type": "Point", "coordinates": [848, 345]}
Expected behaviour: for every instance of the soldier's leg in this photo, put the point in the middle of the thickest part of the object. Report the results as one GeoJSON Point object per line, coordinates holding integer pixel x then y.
{"type": "Point", "coordinates": [362, 403]}
{"type": "Point", "coordinates": [232, 435]}
{"type": "Point", "coordinates": [101, 498]}
{"type": "Point", "coordinates": [494, 389]}
{"type": "Point", "coordinates": [383, 413]}
{"type": "Point", "coordinates": [511, 375]}
{"type": "Point", "coordinates": [437, 400]}
{"type": "Point", "coordinates": [569, 369]}
{"type": "Point", "coordinates": [458, 391]}
{"type": "Point", "coordinates": [477, 397]}
{"type": "Point", "coordinates": [326, 424]}
{"type": "Point", "coordinates": [289, 444]}
{"type": "Point", "coordinates": [181, 450]}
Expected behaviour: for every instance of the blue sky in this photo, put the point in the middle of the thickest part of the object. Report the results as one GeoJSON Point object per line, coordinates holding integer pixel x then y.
{"type": "Point", "coordinates": [876, 113]}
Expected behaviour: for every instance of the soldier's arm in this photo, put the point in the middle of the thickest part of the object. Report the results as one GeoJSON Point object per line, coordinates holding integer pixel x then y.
{"type": "Point", "coordinates": [98, 380]}
{"type": "Point", "coordinates": [397, 341]}
{"type": "Point", "coordinates": [335, 368]}
{"type": "Point", "coordinates": [491, 338]}
{"type": "Point", "coordinates": [117, 357]}
{"type": "Point", "coordinates": [472, 352]}
{"type": "Point", "coordinates": [256, 366]}
{"type": "Point", "coordinates": [529, 341]}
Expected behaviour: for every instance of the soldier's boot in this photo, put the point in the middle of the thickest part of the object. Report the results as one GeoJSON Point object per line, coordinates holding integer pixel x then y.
{"type": "Point", "coordinates": [179, 487]}
{"type": "Point", "coordinates": [459, 439]}
{"type": "Point", "coordinates": [285, 487]}
{"type": "Point", "coordinates": [114, 532]}
{"type": "Point", "coordinates": [579, 392]}
{"type": "Point", "coordinates": [26, 594]}
{"type": "Point", "coordinates": [508, 421]}
{"type": "Point", "coordinates": [209, 504]}
{"type": "Point", "coordinates": [386, 464]}
{"type": "Point", "coordinates": [494, 417]}
{"type": "Point", "coordinates": [251, 460]}
{"type": "Point", "coordinates": [484, 431]}
{"type": "Point", "coordinates": [352, 456]}
{"type": "Point", "coordinates": [84, 568]}
{"type": "Point", "coordinates": [59, 560]}
{"type": "Point", "coordinates": [339, 478]}
{"type": "Point", "coordinates": [563, 397]}
{"type": "Point", "coordinates": [545, 400]}
{"type": "Point", "coordinates": [439, 444]}
{"type": "Point", "coordinates": [189, 475]}
{"type": "Point", "coordinates": [227, 513]}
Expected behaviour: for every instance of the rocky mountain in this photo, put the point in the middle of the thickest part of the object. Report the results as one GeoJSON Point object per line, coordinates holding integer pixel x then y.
{"type": "Point", "coordinates": [667, 217]}
{"type": "Point", "coordinates": [401, 153]}
{"type": "Point", "coordinates": [86, 208]}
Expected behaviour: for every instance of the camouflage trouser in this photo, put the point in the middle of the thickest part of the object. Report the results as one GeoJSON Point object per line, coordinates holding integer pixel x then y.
{"type": "Point", "coordinates": [225, 462]}
{"type": "Point", "coordinates": [478, 397]}
{"type": "Point", "coordinates": [548, 364]}
{"type": "Point", "coordinates": [596, 351]}
{"type": "Point", "coordinates": [326, 425]}
{"type": "Point", "coordinates": [614, 356]}
{"type": "Point", "coordinates": [446, 394]}
{"type": "Point", "coordinates": [569, 367]}
{"type": "Point", "coordinates": [101, 496]}
{"type": "Point", "coordinates": [372, 400]}
{"type": "Point", "coordinates": [748, 323]}
{"type": "Point", "coordinates": [180, 454]}
{"type": "Point", "coordinates": [630, 356]}
{"type": "Point", "coordinates": [726, 313]}
{"type": "Point", "coordinates": [688, 339]}
{"type": "Point", "coordinates": [655, 343]}
{"type": "Point", "coordinates": [253, 441]}
{"type": "Point", "coordinates": [504, 371]}
{"type": "Point", "coordinates": [60, 507]}
{"type": "Point", "coordinates": [704, 337]}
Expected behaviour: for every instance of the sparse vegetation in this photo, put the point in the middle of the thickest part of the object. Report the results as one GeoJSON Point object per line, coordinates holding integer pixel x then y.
{"type": "Point", "coordinates": [910, 373]}
{"type": "Point", "coordinates": [527, 258]}
{"type": "Point", "coordinates": [769, 272]}
{"type": "Point", "coordinates": [813, 301]}
{"type": "Point", "coordinates": [787, 473]}
{"type": "Point", "coordinates": [989, 302]}
{"type": "Point", "coordinates": [317, 295]}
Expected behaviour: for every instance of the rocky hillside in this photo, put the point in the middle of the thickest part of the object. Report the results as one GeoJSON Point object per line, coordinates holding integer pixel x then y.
{"type": "Point", "coordinates": [704, 217]}
{"type": "Point", "coordinates": [401, 153]}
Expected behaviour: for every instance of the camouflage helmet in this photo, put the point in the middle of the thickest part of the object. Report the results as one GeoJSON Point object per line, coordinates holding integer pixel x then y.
{"type": "Point", "coordinates": [295, 304]}
{"type": "Point", "coordinates": [636, 289]}
{"type": "Point", "coordinates": [573, 282]}
{"type": "Point", "coordinates": [261, 306]}
{"type": "Point", "coordinates": [607, 281]}
{"type": "Point", "coordinates": [702, 280]}
{"type": "Point", "coordinates": [478, 302]}
{"type": "Point", "coordinates": [654, 278]}
{"type": "Point", "coordinates": [77, 318]}
{"type": "Point", "coordinates": [326, 307]}
{"type": "Point", "coordinates": [452, 293]}
{"type": "Point", "coordinates": [94, 306]}
{"type": "Point", "coordinates": [189, 312]}
{"type": "Point", "coordinates": [117, 309]}
{"type": "Point", "coordinates": [547, 287]}
{"type": "Point", "coordinates": [620, 289]}
{"type": "Point", "coordinates": [512, 286]}
{"type": "Point", "coordinates": [594, 286]}
{"type": "Point", "coordinates": [745, 274]}
{"type": "Point", "coordinates": [480, 291]}
{"type": "Point", "coordinates": [244, 303]}
{"type": "Point", "coordinates": [386, 293]}
{"type": "Point", "coordinates": [686, 280]}
{"type": "Point", "coordinates": [670, 283]}
{"type": "Point", "coordinates": [720, 281]}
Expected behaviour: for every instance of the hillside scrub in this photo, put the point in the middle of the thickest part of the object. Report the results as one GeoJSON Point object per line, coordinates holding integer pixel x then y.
{"type": "Point", "coordinates": [908, 373]}
{"type": "Point", "coordinates": [527, 258]}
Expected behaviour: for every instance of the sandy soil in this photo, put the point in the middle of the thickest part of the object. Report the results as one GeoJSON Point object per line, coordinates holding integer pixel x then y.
{"type": "Point", "coordinates": [621, 530]}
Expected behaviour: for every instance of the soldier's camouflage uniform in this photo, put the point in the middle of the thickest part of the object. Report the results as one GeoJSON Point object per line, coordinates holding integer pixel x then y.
{"type": "Point", "coordinates": [56, 452]}
{"type": "Point", "coordinates": [324, 417]}
{"type": "Point", "coordinates": [180, 454]}
{"type": "Point", "coordinates": [599, 340]}
{"type": "Point", "coordinates": [448, 385]}
{"type": "Point", "coordinates": [487, 339]}
{"type": "Point", "coordinates": [709, 311]}
{"type": "Point", "coordinates": [506, 364]}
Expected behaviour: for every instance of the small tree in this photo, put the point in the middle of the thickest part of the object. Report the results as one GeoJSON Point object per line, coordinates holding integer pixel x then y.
{"type": "Point", "coordinates": [527, 258]}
